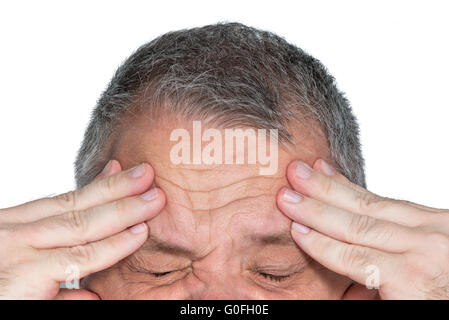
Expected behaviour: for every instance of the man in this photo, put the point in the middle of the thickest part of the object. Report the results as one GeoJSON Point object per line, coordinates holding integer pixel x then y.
{"type": "Point", "coordinates": [223, 221]}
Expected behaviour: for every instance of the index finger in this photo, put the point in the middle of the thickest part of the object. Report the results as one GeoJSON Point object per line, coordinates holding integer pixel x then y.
{"type": "Point", "coordinates": [319, 186]}
{"type": "Point", "coordinates": [350, 260]}
{"type": "Point", "coordinates": [322, 166]}
{"type": "Point", "coordinates": [123, 184]}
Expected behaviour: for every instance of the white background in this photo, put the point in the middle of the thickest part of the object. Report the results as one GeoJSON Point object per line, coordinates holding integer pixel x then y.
{"type": "Point", "coordinates": [391, 59]}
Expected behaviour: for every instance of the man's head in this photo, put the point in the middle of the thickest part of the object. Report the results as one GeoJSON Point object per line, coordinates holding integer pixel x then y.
{"type": "Point", "coordinates": [220, 234]}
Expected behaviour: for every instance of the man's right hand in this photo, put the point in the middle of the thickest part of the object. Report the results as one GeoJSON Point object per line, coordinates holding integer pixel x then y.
{"type": "Point", "coordinates": [86, 230]}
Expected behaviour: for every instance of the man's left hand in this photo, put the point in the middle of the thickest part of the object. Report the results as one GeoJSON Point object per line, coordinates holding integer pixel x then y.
{"type": "Point", "coordinates": [398, 247]}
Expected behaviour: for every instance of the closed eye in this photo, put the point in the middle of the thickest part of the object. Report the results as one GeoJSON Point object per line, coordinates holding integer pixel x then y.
{"type": "Point", "coordinates": [160, 274]}
{"type": "Point", "coordinates": [273, 277]}
{"type": "Point", "coordinates": [150, 272]}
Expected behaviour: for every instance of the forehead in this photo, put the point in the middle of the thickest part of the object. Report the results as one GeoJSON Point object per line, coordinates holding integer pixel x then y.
{"type": "Point", "coordinates": [206, 203]}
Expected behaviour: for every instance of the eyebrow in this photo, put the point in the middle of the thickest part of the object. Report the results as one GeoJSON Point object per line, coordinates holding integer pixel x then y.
{"type": "Point", "coordinates": [281, 238]}
{"type": "Point", "coordinates": [155, 244]}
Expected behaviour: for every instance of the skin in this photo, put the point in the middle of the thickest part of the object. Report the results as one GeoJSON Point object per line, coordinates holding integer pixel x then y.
{"type": "Point", "coordinates": [225, 219]}
{"type": "Point", "coordinates": [351, 231]}
{"type": "Point", "coordinates": [85, 229]}
{"type": "Point", "coordinates": [328, 231]}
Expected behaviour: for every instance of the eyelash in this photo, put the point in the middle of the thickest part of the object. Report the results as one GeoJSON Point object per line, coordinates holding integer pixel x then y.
{"type": "Point", "coordinates": [154, 274]}
{"type": "Point", "coordinates": [160, 274]}
{"type": "Point", "coordinates": [272, 277]}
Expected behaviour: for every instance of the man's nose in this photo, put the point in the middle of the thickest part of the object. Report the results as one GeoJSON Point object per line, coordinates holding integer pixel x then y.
{"type": "Point", "coordinates": [216, 285]}
{"type": "Point", "coordinates": [218, 274]}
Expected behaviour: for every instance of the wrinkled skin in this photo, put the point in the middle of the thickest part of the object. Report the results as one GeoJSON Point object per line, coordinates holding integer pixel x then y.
{"type": "Point", "coordinates": [225, 218]}
{"type": "Point", "coordinates": [222, 232]}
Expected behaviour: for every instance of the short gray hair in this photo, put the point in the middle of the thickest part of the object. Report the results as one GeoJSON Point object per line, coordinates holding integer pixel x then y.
{"type": "Point", "coordinates": [229, 74]}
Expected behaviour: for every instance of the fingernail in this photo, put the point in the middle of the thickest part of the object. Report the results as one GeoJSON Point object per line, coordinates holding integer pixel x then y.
{"type": "Point", "coordinates": [149, 195]}
{"type": "Point", "coordinates": [137, 171]}
{"type": "Point", "coordinates": [303, 171]}
{"type": "Point", "coordinates": [300, 228]}
{"type": "Point", "coordinates": [292, 196]}
{"type": "Point", "coordinates": [138, 228]}
{"type": "Point", "coordinates": [106, 167]}
{"type": "Point", "coordinates": [328, 170]}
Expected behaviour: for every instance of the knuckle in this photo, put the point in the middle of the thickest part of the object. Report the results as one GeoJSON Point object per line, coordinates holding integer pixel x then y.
{"type": "Point", "coordinates": [383, 232]}
{"type": "Point", "coordinates": [359, 226]}
{"type": "Point", "coordinates": [316, 208]}
{"type": "Point", "coordinates": [80, 255]}
{"type": "Point", "coordinates": [66, 200]}
{"type": "Point", "coordinates": [105, 186]}
{"type": "Point", "coordinates": [77, 222]}
{"type": "Point", "coordinates": [327, 186]}
{"type": "Point", "coordinates": [119, 207]}
{"type": "Point", "coordinates": [367, 202]}
{"type": "Point", "coordinates": [110, 184]}
{"type": "Point", "coordinates": [118, 212]}
{"type": "Point", "coordinates": [354, 257]}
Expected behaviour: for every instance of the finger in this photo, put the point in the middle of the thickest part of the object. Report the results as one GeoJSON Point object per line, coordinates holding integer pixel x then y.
{"type": "Point", "coordinates": [325, 168]}
{"type": "Point", "coordinates": [95, 256]}
{"type": "Point", "coordinates": [111, 168]}
{"type": "Point", "coordinates": [328, 170]}
{"type": "Point", "coordinates": [345, 226]}
{"type": "Point", "coordinates": [80, 227]}
{"type": "Point", "coordinates": [316, 185]}
{"type": "Point", "coordinates": [79, 294]}
{"type": "Point", "coordinates": [364, 265]}
{"type": "Point", "coordinates": [123, 184]}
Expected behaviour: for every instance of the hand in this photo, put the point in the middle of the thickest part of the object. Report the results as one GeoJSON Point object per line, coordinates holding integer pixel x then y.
{"type": "Point", "coordinates": [88, 229]}
{"type": "Point", "coordinates": [402, 246]}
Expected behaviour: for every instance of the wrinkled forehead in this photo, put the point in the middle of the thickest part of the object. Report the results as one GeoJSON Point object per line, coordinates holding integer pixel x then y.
{"type": "Point", "coordinates": [210, 196]}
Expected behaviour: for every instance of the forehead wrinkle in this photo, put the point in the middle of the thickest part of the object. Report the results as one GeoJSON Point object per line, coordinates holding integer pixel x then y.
{"type": "Point", "coordinates": [157, 176]}
{"type": "Point", "coordinates": [220, 197]}
{"type": "Point", "coordinates": [223, 206]}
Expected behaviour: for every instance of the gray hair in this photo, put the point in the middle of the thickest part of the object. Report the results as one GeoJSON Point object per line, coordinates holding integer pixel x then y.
{"type": "Point", "coordinates": [231, 75]}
